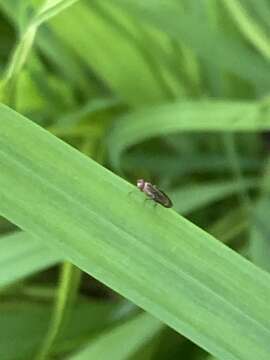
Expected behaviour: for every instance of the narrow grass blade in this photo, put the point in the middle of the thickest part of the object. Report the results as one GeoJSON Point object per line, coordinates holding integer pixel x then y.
{"type": "Point", "coordinates": [183, 116]}
{"type": "Point", "coordinates": [123, 341]}
{"type": "Point", "coordinates": [22, 255]}
{"type": "Point", "coordinates": [25, 326]}
{"type": "Point", "coordinates": [108, 25]}
{"type": "Point", "coordinates": [260, 230]}
{"type": "Point", "coordinates": [152, 256]}
{"type": "Point", "coordinates": [180, 165]}
{"type": "Point", "coordinates": [69, 281]}
{"type": "Point", "coordinates": [193, 197]}
{"type": "Point", "coordinates": [51, 8]}
{"type": "Point", "coordinates": [231, 55]}
{"type": "Point", "coordinates": [247, 25]}
{"type": "Point", "coordinates": [25, 44]}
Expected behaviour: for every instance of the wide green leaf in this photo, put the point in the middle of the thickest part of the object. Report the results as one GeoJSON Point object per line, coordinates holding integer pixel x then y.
{"type": "Point", "coordinates": [22, 255]}
{"type": "Point", "coordinates": [152, 256]}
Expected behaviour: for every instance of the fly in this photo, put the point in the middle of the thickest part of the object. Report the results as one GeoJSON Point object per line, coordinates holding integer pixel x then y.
{"type": "Point", "coordinates": [154, 193]}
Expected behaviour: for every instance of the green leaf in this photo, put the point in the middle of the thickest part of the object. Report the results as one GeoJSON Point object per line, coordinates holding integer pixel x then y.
{"type": "Point", "coordinates": [114, 38]}
{"type": "Point", "coordinates": [141, 125]}
{"type": "Point", "coordinates": [152, 256]}
{"type": "Point", "coordinates": [194, 196]}
{"type": "Point", "coordinates": [199, 34]}
{"type": "Point", "coordinates": [69, 282]}
{"type": "Point", "coordinates": [22, 255]}
{"type": "Point", "coordinates": [230, 225]}
{"type": "Point", "coordinates": [247, 25]}
{"type": "Point", "coordinates": [260, 229]}
{"type": "Point", "coordinates": [134, 334]}
{"type": "Point", "coordinates": [26, 41]}
{"type": "Point", "coordinates": [25, 326]}
{"type": "Point", "coordinates": [51, 8]}
{"type": "Point", "coordinates": [181, 164]}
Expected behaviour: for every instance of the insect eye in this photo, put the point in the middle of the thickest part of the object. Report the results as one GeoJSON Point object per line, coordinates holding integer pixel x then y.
{"type": "Point", "coordinates": [140, 183]}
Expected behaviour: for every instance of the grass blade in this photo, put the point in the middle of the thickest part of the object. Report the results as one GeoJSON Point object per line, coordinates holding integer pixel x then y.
{"type": "Point", "coordinates": [184, 116]}
{"type": "Point", "coordinates": [104, 26]}
{"type": "Point", "coordinates": [154, 257]}
{"type": "Point", "coordinates": [197, 32]}
{"type": "Point", "coordinates": [25, 44]}
{"type": "Point", "coordinates": [67, 291]}
{"type": "Point", "coordinates": [193, 197]}
{"type": "Point", "coordinates": [22, 255]}
{"type": "Point", "coordinates": [253, 32]}
{"type": "Point", "coordinates": [86, 321]}
{"type": "Point", "coordinates": [110, 345]}
{"type": "Point", "coordinates": [259, 242]}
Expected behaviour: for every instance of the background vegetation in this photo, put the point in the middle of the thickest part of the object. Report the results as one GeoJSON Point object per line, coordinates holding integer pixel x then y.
{"type": "Point", "coordinates": [176, 92]}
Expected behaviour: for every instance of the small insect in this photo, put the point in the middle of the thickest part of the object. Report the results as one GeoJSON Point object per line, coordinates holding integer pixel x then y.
{"type": "Point", "coordinates": [154, 193]}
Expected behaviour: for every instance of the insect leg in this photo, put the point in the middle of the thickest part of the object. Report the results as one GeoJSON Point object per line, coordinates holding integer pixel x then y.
{"type": "Point", "coordinates": [131, 192]}
{"type": "Point", "coordinates": [147, 198]}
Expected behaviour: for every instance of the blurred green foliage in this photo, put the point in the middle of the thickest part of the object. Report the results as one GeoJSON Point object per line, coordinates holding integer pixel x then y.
{"type": "Point", "coordinates": [176, 92]}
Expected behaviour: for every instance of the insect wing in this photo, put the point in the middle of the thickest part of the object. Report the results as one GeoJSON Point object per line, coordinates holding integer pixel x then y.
{"type": "Point", "coordinates": [157, 195]}
{"type": "Point", "coordinates": [160, 197]}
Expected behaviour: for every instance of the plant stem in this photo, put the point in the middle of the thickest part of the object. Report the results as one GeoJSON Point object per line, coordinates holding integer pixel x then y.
{"type": "Point", "coordinates": [69, 282]}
